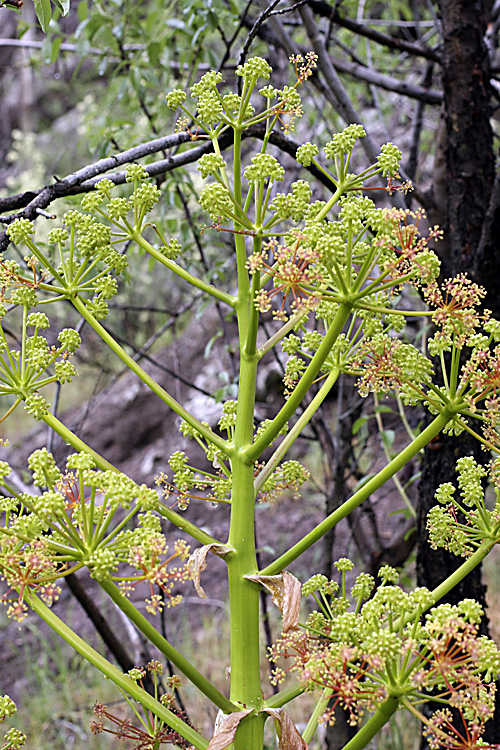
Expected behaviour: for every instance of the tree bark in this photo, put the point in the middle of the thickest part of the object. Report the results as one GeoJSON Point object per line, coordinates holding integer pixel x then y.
{"type": "Point", "coordinates": [469, 179]}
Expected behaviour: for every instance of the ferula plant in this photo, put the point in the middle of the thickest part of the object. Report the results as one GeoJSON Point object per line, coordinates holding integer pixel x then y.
{"type": "Point", "coordinates": [331, 275]}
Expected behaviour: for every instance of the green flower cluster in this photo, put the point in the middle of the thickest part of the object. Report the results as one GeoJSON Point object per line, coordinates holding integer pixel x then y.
{"type": "Point", "coordinates": [263, 167]}
{"type": "Point", "coordinates": [365, 647]}
{"type": "Point", "coordinates": [461, 525]}
{"type": "Point", "coordinates": [78, 519]}
{"type": "Point", "coordinates": [343, 143]}
{"type": "Point", "coordinates": [287, 477]}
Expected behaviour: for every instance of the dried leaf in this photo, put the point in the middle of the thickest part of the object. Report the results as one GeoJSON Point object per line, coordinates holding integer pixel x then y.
{"type": "Point", "coordinates": [224, 736]}
{"type": "Point", "coordinates": [291, 602]}
{"type": "Point", "coordinates": [197, 563]}
{"type": "Point", "coordinates": [285, 590]}
{"type": "Point", "coordinates": [289, 737]}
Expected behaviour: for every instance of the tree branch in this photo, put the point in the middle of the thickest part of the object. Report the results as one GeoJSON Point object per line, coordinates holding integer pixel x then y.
{"type": "Point", "coordinates": [322, 8]}
{"type": "Point", "coordinates": [429, 96]}
{"type": "Point", "coordinates": [84, 180]}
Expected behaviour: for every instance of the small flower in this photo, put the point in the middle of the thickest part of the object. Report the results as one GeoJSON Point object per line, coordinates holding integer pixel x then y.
{"type": "Point", "coordinates": [306, 153]}
{"type": "Point", "coordinates": [254, 68]}
{"type": "Point", "coordinates": [209, 164]}
{"type": "Point", "coordinates": [343, 143]}
{"type": "Point", "coordinates": [39, 321]}
{"type": "Point", "coordinates": [175, 98]}
{"type": "Point", "coordinates": [20, 230]}
{"type": "Point", "coordinates": [389, 159]}
{"type": "Point", "coordinates": [264, 166]}
{"type": "Point", "coordinates": [69, 339]}
{"type": "Point", "coordinates": [57, 235]}
{"type": "Point", "coordinates": [37, 406]}
{"type": "Point", "coordinates": [135, 172]}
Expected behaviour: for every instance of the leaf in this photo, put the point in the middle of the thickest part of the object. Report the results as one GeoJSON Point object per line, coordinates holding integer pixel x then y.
{"type": "Point", "coordinates": [196, 563]}
{"type": "Point", "coordinates": [224, 736]}
{"type": "Point", "coordinates": [383, 409]}
{"type": "Point", "coordinates": [288, 734]}
{"type": "Point", "coordinates": [388, 437]}
{"type": "Point", "coordinates": [285, 590]}
{"type": "Point", "coordinates": [358, 424]}
{"type": "Point", "coordinates": [56, 46]}
{"type": "Point", "coordinates": [43, 13]}
{"type": "Point", "coordinates": [154, 51]}
{"type": "Point", "coordinates": [82, 10]}
{"type": "Point", "coordinates": [62, 5]}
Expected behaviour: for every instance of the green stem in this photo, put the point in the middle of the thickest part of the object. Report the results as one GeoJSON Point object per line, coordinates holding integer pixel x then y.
{"type": "Point", "coordinates": [454, 579]}
{"type": "Point", "coordinates": [207, 433]}
{"type": "Point", "coordinates": [283, 697]}
{"type": "Point", "coordinates": [179, 661]}
{"type": "Point", "coordinates": [374, 724]}
{"type": "Point", "coordinates": [243, 594]}
{"type": "Point", "coordinates": [316, 715]}
{"type": "Point", "coordinates": [246, 686]}
{"type": "Point", "coordinates": [70, 438]}
{"type": "Point", "coordinates": [289, 409]}
{"type": "Point", "coordinates": [333, 200]}
{"type": "Point", "coordinates": [113, 673]}
{"type": "Point", "coordinates": [397, 463]}
{"type": "Point", "coordinates": [299, 425]}
{"type": "Point", "coordinates": [184, 525]}
{"type": "Point", "coordinates": [179, 271]}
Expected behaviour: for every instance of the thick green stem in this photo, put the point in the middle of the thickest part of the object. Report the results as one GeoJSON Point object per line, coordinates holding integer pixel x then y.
{"type": "Point", "coordinates": [438, 424]}
{"type": "Point", "coordinates": [243, 594]}
{"type": "Point", "coordinates": [454, 579]}
{"type": "Point", "coordinates": [246, 689]}
{"type": "Point", "coordinates": [179, 661]}
{"type": "Point", "coordinates": [113, 673]}
{"type": "Point", "coordinates": [316, 715]}
{"type": "Point", "coordinates": [148, 380]}
{"type": "Point", "coordinates": [70, 438]}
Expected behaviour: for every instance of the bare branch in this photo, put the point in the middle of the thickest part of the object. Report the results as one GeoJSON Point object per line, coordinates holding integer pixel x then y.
{"type": "Point", "coordinates": [429, 96]}
{"type": "Point", "coordinates": [84, 180]}
{"type": "Point", "coordinates": [322, 8]}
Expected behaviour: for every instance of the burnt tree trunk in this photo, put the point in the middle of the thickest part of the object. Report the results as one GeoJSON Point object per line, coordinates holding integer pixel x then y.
{"type": "Point", "coordinates": [470, 227]}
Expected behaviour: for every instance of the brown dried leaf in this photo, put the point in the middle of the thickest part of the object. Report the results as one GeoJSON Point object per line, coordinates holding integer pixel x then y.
{"type": "Point", "coordinates": [285, 590]}
{"type": "Point", "coordinates": [291, 601]}
{"type": "Point", "coordinates": [225, 735]}
{"type": "Point", "coordinates": [289, 737]}
{"type": "Point", "coordinates": [197, 563]}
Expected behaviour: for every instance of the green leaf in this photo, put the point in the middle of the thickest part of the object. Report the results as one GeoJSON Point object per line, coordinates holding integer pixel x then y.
{"type": "Point", "coordinates": [381, 409]}
{"type": "Point", "coordinates": [83, 10]}
{"type": "Point", "coordinates": [43, 13]}
{"type": "Point", "coordinates": [154, 51]}
{"type": "Point", "coordinates": [62, 5]}
{"type": "Point", "coordinates": [56, 46]}
{"type": "Point", "coordinates": [358, 424]}
{"type": "Point", "coordinates": [388, 437]}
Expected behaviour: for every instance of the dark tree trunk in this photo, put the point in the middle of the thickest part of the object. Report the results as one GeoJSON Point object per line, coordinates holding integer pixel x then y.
{"type": "Point", "coordinates": [470, 227]}
{"type": "Point", "coordinates": [470, 161]}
